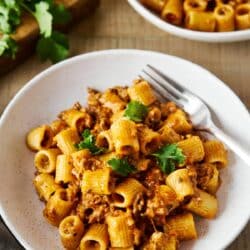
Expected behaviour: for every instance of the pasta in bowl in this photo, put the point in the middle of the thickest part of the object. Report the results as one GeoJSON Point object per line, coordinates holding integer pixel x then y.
{"type": "Point", "coordinates": [125, 172]}
{"type": "Point", "coordinates": [203, 20]}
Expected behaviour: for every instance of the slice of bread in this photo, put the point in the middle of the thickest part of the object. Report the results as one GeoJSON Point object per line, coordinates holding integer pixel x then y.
{"type": "Point", "coordinates": [27, 33]}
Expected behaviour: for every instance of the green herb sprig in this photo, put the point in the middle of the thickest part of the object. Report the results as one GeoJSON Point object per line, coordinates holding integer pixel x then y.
{"type": "Point", "coordinates": [52, 45]}
{"type": "Point", "coordinates": [121, 166]}
{"type": "Point", "coordinates": [88, 142]}
{"type": "Point", "coordinates": [136, 111]}
{"type": "Point", "coordinates": [168, 156]}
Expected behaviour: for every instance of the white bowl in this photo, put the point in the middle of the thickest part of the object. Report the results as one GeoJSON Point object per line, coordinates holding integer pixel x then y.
{"type": "Point", "coordinates": [232, 36]}
{"type": "Point", "coordinates": [60, 87]}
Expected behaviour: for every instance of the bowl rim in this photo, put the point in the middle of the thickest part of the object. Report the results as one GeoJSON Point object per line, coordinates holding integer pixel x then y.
{"type": "Point", "coordinates": [36, 79]}
{"type": "Point", "coordinates": [213, 37]}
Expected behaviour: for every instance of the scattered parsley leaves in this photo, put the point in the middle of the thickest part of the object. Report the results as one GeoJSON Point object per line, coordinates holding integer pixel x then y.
{"type": "Point", "coordinates": [60, 14]}
{"type": "Point", "coordinates": [88, 142]}
{"type": "Point", "coordinates": [168, 156]}
{"type": "Point", "coordinates": [44, 18]}
{"type": "Point", "coordinates": [55, 48]}
{"type": "Point", "coordinates": [8, 46]}
{"type": "Point", "coordinates": [46, 13]}
{"type": "Point", "coordinates": [10, 13]}
{"type": "Point", "coordinates": [121, 166]}
{"type": "Point", "coordinates": [136, 111]}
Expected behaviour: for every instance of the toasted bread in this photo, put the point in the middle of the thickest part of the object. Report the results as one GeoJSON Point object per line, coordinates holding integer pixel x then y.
{"type": "Point", "coordinates": [27, 33]}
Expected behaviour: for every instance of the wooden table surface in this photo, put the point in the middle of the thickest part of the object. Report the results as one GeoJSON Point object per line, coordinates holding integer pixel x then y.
{"type": "Point", "coordinates": [116, 25]}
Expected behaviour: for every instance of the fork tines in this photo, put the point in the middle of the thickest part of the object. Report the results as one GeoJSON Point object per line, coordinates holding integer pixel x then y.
{"type": "Point", "coordinates": [166, 87]}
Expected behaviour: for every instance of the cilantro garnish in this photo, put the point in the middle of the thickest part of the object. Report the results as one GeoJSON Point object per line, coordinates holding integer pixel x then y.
{"type": "Point", "coordinates": [88, 142]}
{"type": "Point", "coordinates": [55, 48]}
{"type": "Point", "coordinates": [121, 166]}
{"type": "Point", "coordinates": [136, 111]}
{"type": "Point", "coordinates": [168, 156]}
{"type": "Point", "coordinates": [8, 46]}
{"type": "Point", "coordinates": [46, 13]}
{"type": "Point", "coordinates": [10, 13]}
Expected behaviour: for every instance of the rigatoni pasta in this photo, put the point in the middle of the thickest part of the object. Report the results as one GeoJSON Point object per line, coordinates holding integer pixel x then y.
{"type": "Point", "coordinates": [128, 172]}
{"type": "Point", "coordinates": [96, 238]}
{"type": "Point", "coordinates": [203, 15]}
{"type": "Point", "coordinates": [71, 230]}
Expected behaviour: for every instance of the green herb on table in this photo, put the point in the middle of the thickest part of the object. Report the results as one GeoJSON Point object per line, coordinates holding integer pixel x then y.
{"type": "Point", "coordinates": [88, 142]}
{"type": "Point", "coordinates": [136, 111]}
{"type": "Point", "coordinates": [168, 156]}
{"type": "Point", "coordinates": [8, 46]}
{"type": "Point", "coordinates": [121, 166]}
{"type": "Point", "coordinates": [46, 13]}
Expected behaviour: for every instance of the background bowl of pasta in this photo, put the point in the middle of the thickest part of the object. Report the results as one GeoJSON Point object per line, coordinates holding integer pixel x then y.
{"type": "Point", "coordinates": [60, 87]}
{"type": "Point", "coordinates": [201, 20]}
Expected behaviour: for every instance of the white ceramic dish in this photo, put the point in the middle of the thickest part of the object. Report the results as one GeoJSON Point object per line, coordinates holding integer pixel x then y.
{"type": "Point", "coordinates": [231, 36]}
{"type": "Point", "coordinates": [60, 87]}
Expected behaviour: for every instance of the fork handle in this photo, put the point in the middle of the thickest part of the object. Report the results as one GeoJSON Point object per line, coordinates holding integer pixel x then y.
{"type": "Point", "coordinates": [231, 143]}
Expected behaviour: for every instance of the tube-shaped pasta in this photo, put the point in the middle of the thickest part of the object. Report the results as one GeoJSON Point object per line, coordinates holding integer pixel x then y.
{"type": "Point", "coordinates": [192, 148]}
{"type": "Point", "coordinates": [57, 126]}
{"type": "Point", "coordinates": [168, 135]}
{"type": "Point", "coordinates": [118, 115]}
{"type": "Point", "coordinates": [111, 100]}
{"type": "Point", "coordinates": [194, 5]}
{"type": "Point", "coordinates": [76, 119]}
{"type": "Point", "coordinates": [201, 21]}
{"type": "Point", "coordinates": [124, 134]}
{"type": "Point", "coordinates": [156, 5]}
{"type": "Point", "coordinates": [96, 238]}
{"type": "Point", "coordinates": [215, 152]}
{"type": "Point", "coordinates": [182, 226]}
{"type": "Point", "coordinates": [96, 181]}
{"type": "Point", "coordinates": [242, 1]}
{"type": "Point", "coordinates": [168, 195]}
{"type": "Point", "coordinates": [120, 232]}
{"type": "Point", "coordinates": [242, 16]}
{"type": "Point", "coordinates": [208, 177]}
{"type": "Point", "coordinates": [58, 207]}
{"type": "Point", "coordinates": [203, 204]}
{"type": "Point", "coordinates": [173, 12]}
{"type": "Point", "coordinates": [224, 15]}
{"type": "Point", "coordinates": [71, 230]}
{"type": "Point", "coordinates": [125, 193]}
{"type": "Point", "coordinates": [64, 168]}
{"type": "Point", "coordinates": [79, 157]}
{"type": "Point", "coordinates": [141, 92]}
{"type": "Point", "coordinates": [45, 186]}
{"type": "Point", "coordinates": [214, 182]}
{"type": "Point", "coordinates": [149, 140]}
{"type": "Point", "coordinates": [106, 157]}
{"type": "Point", "coordinates": [66, 140]}
{"type": "Point", "coordinates": [45, 160]}
{"type": "Point", "coordinates": [40, 138]}
{"type": "Point", "coordinates": [104, 140]}
{"type": "Point", "coordinates": [178, 122]}
{"type": "Point", "coordinates": [227, 2]}
{"type": "Point", "coordinates": [180, 182]}
{"type": "Point", "coordinates": [161, 241]}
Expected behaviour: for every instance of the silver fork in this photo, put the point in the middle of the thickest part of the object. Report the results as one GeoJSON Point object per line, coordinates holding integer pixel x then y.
{"type": "Point", "coordinates": [199, 113]}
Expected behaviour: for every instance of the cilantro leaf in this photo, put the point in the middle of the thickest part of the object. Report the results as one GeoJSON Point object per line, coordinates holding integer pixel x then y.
{"type": "Point", "coordinates": [10, 13]}
{"type": "Point", "coordinates": [44, 18]}
{"type": "Point", "coordinates": [121, 166]}
{"type": "Point", "coordinates": [168, 156]}
{"type": "Point", "coordinates": [8, 46]}
{"type": "Point", "coordinates": [60, 14]}
{"type": "Point", "coordinates": [136, 111]}
{"type": "Point", "coordinates": [88, 142]}
{"type": "Point", "coordinates": [55, 48]}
